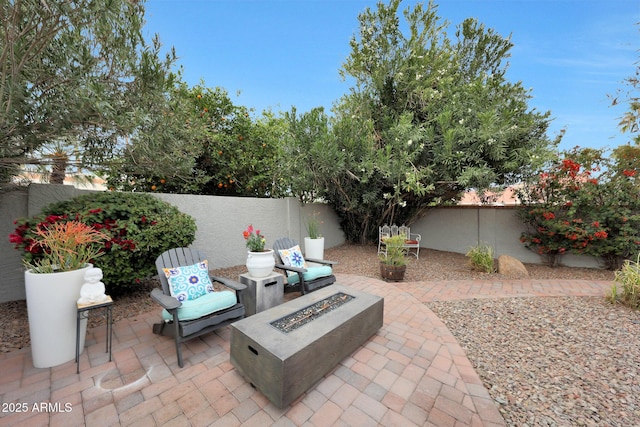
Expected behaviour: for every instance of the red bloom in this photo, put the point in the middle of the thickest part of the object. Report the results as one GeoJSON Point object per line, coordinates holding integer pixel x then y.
{"type": "Point", "coordinates": [15, 238]}
{"type": "Point", "coordinates": [628, 172]}
{"type": "Point", "coordinates": [53, 218]}
{"type": "Point", "coordinates": [548, 215]}
{"type": "Point", "coordinates": [600, 234]}
{"type": "Point", "coordinates": [571, 166]}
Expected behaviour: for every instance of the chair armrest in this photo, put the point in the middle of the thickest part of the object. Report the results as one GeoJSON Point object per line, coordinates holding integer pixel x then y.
{"type": "Point", "coordinates": [298, 270]}
{"type": "Point", "coordinates": [166, 301]}
{"type": "Point", "coordinates": [415, 236]}
{"type": "Point", "coordinates": [229, 283]}
{"type": "Point", "coordinates": [321, 261]}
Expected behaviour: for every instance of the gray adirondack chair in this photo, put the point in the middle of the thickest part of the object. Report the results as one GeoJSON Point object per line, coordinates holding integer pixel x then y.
{"type": "Point", "coordinates": [304, 285]}
{"type": "Point", "coordinates": [183, 330]}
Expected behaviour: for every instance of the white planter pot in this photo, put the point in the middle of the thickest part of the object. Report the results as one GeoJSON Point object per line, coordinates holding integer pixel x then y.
{"type": "Point", "coordinates": [260, 264]}
{"type": "Point", "coordinates": [52, 310]}
{"type": "Point", "coordinates": [314, 248]}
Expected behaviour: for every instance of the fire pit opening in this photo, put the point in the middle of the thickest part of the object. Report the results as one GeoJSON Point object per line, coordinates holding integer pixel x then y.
{"type": "Point", "coordinates": [305, 315]}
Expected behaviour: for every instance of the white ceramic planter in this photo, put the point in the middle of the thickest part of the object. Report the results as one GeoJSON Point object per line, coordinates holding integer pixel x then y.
{"type": "Point", "coordinates": [314, 248]}
{"type": "Point", "coordinates": [52, 310]}
{"type": "Point", "coordinates": [260, 264]}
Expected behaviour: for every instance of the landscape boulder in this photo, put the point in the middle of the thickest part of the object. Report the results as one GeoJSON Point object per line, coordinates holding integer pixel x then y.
{"type": "Point", "coordinates": [512, 267]}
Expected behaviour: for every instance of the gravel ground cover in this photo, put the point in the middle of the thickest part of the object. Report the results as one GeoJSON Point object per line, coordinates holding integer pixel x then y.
{"type": "Point", "coordinates": [552, 361]}
{"type": "Point", "coordinates": [546, 361]}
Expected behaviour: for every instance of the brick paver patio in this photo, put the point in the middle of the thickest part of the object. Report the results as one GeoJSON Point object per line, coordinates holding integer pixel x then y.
{"type": "Point", "coordinates": [412, 372]}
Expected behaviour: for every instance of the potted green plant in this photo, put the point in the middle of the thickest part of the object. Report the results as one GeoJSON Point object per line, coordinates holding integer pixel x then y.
{"type": "Point", "coordinates": [53, 280]}
{"type": "Point", "coordinates": [314, 242]}
{"type": "Point", "coordinates": [393, 262]}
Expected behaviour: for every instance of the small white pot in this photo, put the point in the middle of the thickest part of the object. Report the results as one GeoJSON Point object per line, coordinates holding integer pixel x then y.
{"type": "Point", "coordinates": [52, 310]}
{"type": "Point", "coordinates": [260, 264]}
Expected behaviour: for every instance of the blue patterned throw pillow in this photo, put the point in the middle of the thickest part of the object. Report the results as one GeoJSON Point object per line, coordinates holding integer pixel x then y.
{"type": "Point", "coordinates": [293, 258]}
{"type": "Point", "coordinates": [189, 282]}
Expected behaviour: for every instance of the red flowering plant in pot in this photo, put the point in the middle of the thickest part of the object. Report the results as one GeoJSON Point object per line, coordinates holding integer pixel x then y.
{"type": "Point", "coordinates": [260, 261]}
{"type": "Point", "coordinates": [139, 228]}
{"type": "Point", "coordinates": [61, 246]}
{"type": "Point", "coordinates": [254, 240]}
{"type": "Point", "coordinates": [62, 253]}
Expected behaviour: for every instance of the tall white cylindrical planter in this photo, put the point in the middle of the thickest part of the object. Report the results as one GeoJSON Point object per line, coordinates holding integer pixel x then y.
{"type": "Point", "coordinates": [52, 310]}
{"type": "Point", "coordinates": [314, 248]}
{"type": "Point", "coordinates": [260, 264]}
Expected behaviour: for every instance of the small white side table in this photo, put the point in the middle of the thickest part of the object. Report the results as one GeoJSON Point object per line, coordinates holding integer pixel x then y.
{"type": "Point", "coordinates": [262, 293]}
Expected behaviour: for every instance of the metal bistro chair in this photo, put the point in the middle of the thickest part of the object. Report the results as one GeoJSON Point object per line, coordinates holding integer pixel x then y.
{"type": "Point", "coordinates": [193, 318]}
{"type": "Point", "coordinates": [303, 279]}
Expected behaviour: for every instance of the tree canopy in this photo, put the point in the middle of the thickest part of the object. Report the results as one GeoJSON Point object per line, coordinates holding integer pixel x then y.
{"type": "Point", "coordinates": [198, 141]}
{"type": "Point", "coordinates": [630, 120]}
{"type": "Point", "coordinates": [428, 116]}
{"type": "Point", "coordinates": [73, 73]}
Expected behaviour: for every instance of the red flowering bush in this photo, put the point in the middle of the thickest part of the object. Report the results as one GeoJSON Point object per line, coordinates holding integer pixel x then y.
{"type": "Point", "coordinates": [139, 227]}
{"type": "Point", "coordinates": [585, 204]}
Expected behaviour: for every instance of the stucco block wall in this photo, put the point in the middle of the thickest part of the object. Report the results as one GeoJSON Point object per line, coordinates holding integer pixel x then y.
{"type": "Point", "coordinates": [458, 228]}
{"type": "Point", "coordinates": [221, 220]}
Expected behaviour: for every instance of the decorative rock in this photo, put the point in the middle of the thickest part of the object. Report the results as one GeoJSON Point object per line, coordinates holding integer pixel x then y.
{"type": "Point", "coordinates": [511, 267]}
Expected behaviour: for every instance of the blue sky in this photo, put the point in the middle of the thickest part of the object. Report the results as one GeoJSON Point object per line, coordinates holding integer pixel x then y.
{"type": "Point", "coordinates": [279, 53]}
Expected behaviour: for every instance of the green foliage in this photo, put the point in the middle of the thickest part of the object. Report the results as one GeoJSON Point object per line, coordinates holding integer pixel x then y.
{"type": "Point", "coordinates": [313, 226]}
{"type": "Point", "coordinates": [396, 251]}
{"type": "Point", "coordinates": [481, 258]}
{"type": "Point", "coordinates": [428, 117]}
{"type": "Point", "coordinates": [628, 277]}
{"type": "Point", "coordinates": [140, 228]}
{"type": "Point", "coordinates": [254, 240]}
{"type": "Point", "coordinates": [75, 72]}
{"type": "Point", "coordinates": [630, 120]}
{"type": "Point", "coordinates": [310, 154]}
{"type": "Point", "coordinates": [197, 141]}
{"type": "Point", "coordinates": [587, 204]}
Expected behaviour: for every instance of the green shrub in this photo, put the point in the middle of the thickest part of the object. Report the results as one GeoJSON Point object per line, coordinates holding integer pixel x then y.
{"type": "Point", "coordinates": [628, 277]}
{"type": "Point", "coordinates": [481, 258]}
{"type": "Point", "coordinates": [141, 227]}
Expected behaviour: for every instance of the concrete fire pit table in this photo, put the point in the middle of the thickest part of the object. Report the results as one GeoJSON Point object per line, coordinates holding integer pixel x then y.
{"type": "Point", "coordinates": [285, 350]}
